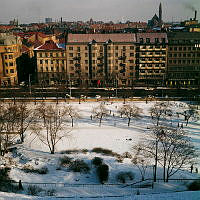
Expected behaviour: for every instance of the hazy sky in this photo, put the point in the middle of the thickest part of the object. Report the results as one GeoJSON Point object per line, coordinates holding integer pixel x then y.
{"type": "Point", "coordinates": [116, 10]}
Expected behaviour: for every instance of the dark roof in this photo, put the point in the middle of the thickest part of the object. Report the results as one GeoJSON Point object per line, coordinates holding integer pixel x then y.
{"type": "Point", "coordinates": [100, 38]}
{"type": "Point", "coordinates": [49, 45]}
{"type": "Point", "coordinates": [151, 36]}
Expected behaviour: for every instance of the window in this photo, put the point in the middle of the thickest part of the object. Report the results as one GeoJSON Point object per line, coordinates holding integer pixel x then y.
{"type": "Point", "coordinates": [131, 54]}
{"type": "Point", "coordinates": [131, 47]}
{"type": "Point", "coordinates": [70, 54]}
{"type": "Point", "coordinates": [86, 48]}
{"type": "Point", "coordinates": [11, 71]}
{"type": "Point", "coordinates": [51, 61]}
{"type": "Point", "coordinates": [147, 40]}
{"type": "Point", "coordinates": [70, 48]}
{"type": "Point", "coordinates": [71, 62]}
{"type": "Point", "coordinates": [124, 48]}
{"type": "Point", "coordinates": [78, 49]}
{"type": "Point", "coordinates": [10, 56]}
{"type": "Point", "coordinates": [93, 62]}
{"type": "Point", "coordinates": [131, 61]}
{"type": "Point", "coordinates": [141, 40]}
{"type": "Point", "coordinates": [40, 54]}
{"type": "Point", "coordinates": [116, 67]}
{"type": "Point", "coordinates": [46, 54]}
{"type": "Point", "coordinates": [156, 40]}
{"type": "Point", "coordinates": [51, 68]}
{"type": "Point", "coordinates": [41, 61]}
{"type": "Point", "coordinates": [51, 54]}
{"type": "Point", "coordinates": [11, 64]}
{"type": "Point", "coordinates": [86, 61]}
{"type": "Point", "coordinates": [93, 55]}
{"type": "Point", "coordinates": [131, 68]}
{"type": "Point", "coordinates": [47, 69]}
{"type": "Point", "coordinates": [163, 40]}
{"type": "Point", "coordinates": [86, 68]}
{"type": "Point", "coordinates": [175, 48]}
{"type": "Point", "coordinates": [86, 54]}
{"type": "Point", "coordinates": [116, 54]}
{"type": "Point", "coordinates": [116, 48]}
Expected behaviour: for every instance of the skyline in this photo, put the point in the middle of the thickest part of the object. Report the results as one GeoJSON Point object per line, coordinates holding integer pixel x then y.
{"type": "Point", "coordinates": [28, 11]}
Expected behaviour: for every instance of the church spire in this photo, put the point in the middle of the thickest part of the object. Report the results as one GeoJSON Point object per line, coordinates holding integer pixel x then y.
{"type": "Point", "coordinates": [160, 13]}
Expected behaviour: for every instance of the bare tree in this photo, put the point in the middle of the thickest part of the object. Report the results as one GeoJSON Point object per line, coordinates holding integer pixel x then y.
{"type": "Point", "coordinates": [129, 111]}
{"type": "Point", "coordinates": [171, 148]}
{"type": "Point", "coordinates": [140, 160]}
{"type": "Point", "coordinates": [190, 113]}
{"type": "Point", "coordinates": [100, 112]}
{"type": "Point", "coordinates": [53, 120]}
{"type": "Point", "coordinates": [73, 113]}
{"type": "Point", "coordinates": [160, 110]}
{"type": "Point", "coordinates": [10, 127]}
{"type": "Point", "coordinates": [25, 118]}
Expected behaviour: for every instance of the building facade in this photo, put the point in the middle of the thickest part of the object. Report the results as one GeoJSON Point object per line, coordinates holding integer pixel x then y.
{"type": "Point", "coordinates": [10, 50]}
{"type": "Point", "coordinates": [101, 60]}
{"type": "Point", "coordinates": [51, 64]}
{"type": "Point", "coordinates": [151, 58]}
{"type": "Point", "coordinates": [183, 60]}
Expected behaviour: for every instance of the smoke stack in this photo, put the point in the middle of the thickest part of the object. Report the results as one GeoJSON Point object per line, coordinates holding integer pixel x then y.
{"type": "Point", "coordinates": [195, 15]}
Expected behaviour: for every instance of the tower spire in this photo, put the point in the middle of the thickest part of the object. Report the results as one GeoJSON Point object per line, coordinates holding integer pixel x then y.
{"type": "Point", "coordinates": [160, 13]}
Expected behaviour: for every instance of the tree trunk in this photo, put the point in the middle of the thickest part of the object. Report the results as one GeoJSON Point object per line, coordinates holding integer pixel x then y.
{"type": "Point", "coordinates": [72, 122]}
{"type": "Point", "coordinates": [129, 120]}
{"type": "Point", "coordinates": [156, 161]}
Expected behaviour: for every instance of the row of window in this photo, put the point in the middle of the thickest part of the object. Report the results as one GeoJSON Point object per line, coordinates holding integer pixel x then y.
{"type": "Point", "coordinates": [153, 53]}
{"type": "Point", "coordinates": [78, 55]}
{"type": "Point", "coordinates": [52, 61]}
{"type": "Point", "coordinates": [184, 61]}
{"type": "Point", "coordinates": [10, 71]}
{"type": "Point", "coordinates": [78, 48]}
{"type": "Point", "coordinates": [184, 55]}
{"type": "Point", "coordinates": [156, 40]}
{"type": "Point", "coordinates": [10, 56]}
{"type": "Point", "coordinates": [152, 65]}
{"type": "Point", "coordinates": [152, 71]}
{"type": "Point", "coordinates": [183, 48]}
{"type": "Point", "coordinates": [153, 47]}
{"type": "Point", "coordinates": [192, 41]}
{"type": "Point", "coordinates": [51, 54]}
{"type": "Point", "coordinates": [153, 59]}
{"type": "Point", "coordinates": [52, 69]}
{"type": "Point", "coordinates": [9, 64]}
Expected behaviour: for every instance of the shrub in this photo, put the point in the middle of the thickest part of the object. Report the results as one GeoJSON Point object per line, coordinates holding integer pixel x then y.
{"type": "Point", "coordinates": [79, 166]}
{"type": "Point", "coordinates": [122, 177]}
{"type": "Point", "coordinates": [103, 173]}
{"type": "Point", "coordinates": [120, 158]}
{"type": "Point", "coordinates": [51, 192]}
{"type": "Point", "coordinates": [34, 190]}
{"type": "Point", "coordinates": [30, 169]}
{"type": "Point", "coordinates": [106, 152]}
{"type": "Point", "coordinates": [70, 151]}
{"type": "Point", "coordinates": [127, 155]}
{"type": "Point", "coordinates": [43, 170]}
{"type": "Point", "coordinates": [65, 161]}
{"type": "Point", "coordinates": [84, 150]}
{"type": "Point", "coordinates": [195, 185]}
{"type": "Point", "coordinates": [97, 161]}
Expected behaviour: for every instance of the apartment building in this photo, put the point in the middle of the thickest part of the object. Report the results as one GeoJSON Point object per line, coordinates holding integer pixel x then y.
{"type": "Point", "coordinates": [101, 60]}
{"type": "Point", "coordinates": [183, 59]}
{"type": "Point", "coordinates": [10, 48]}
{"type": "Point", "coordinates": [151, 58]}
{"type": "Point", "coordinates": [51, 64]}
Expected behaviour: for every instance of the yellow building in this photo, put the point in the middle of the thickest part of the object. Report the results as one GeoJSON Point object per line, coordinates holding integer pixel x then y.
{"type": "Point", "coordinates": [101, 59]}
{"type": "Point", "coordinates": [10, 48]}
{"type": "Point", "coordinates": [51, 64]}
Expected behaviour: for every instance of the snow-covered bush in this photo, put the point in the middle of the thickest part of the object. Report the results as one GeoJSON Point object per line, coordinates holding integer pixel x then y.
{"type": "Point", "coordinates": [97, 161]}
{"type": "Point", "coordinates": [30, 169]}
{"type": "Point", "coordinates": [65, 161]}
{"type": "Point", "coordinates": [51, 192]}
{"type": "Point", "coordinates": [127, 155]}
{"type": "Point", "coordinates": [79, 166]}
{"type": "Point", "coordinates": [106, 152]}
{"type": "Point", "coordinates": [34, 190]}
{"type": "Point", "coordinates": [122, 177]}
{"type": "Point", "coordinates": [195, 185]}
{"type": "Point", "coordinates": [103, 173]}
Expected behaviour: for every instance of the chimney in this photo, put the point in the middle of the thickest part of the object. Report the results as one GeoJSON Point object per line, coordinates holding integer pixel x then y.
{"type": "Point", "coordinates": [195, 15]}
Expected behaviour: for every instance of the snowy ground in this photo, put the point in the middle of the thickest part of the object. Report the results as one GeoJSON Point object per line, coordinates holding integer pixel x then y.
{"type": "Point", "coordinates": [114, 134]}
